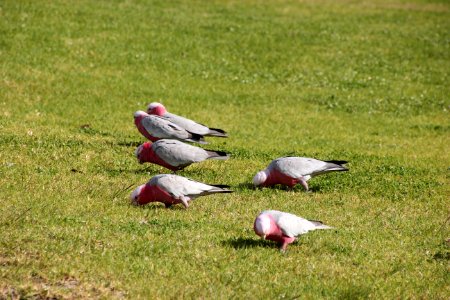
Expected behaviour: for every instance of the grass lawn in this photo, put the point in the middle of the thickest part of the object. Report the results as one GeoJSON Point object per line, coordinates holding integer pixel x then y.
{"type": "Point", "coordinates": [363, 81]}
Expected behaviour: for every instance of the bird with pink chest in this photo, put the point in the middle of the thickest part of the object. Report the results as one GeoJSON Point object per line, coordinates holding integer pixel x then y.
{"type": "Point", "coordinates": [172, 189]}
{"type": "Point", "coordinates": [291, 170]}
{"type": "Point", "coordinates": [155, 128]}
{"type": "Point", "coordinates": [175, 155]}
{"type": "Point", "coordinates": [283, 228]}
{"type": "Point", "coordinates": [158, 109]}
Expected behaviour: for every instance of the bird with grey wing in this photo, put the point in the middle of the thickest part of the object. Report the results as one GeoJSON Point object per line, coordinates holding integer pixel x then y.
{"type": "Point", "coordinates": [291, 170]}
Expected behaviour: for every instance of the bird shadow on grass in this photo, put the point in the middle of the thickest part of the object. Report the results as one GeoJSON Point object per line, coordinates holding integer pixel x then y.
{"type": "Point", "coordinates": [129, 143]}
{"type": "Point", "coordinates": [244, 186]}
{"type": "Point", "coordinates": [159, 206]}
{"type": "Point", "coordinates": [244, 243]}
{"type": "Point", "coordinates": [297, 189]}
{"type": "Point", "coordinates": [118, 171]}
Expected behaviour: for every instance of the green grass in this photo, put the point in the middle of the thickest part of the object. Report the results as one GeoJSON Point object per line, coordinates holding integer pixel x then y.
{"type": "Point", "coordinates": [365, 81]}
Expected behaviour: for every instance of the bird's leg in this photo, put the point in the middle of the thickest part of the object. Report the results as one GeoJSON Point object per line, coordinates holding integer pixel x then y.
{"type": "Point", "coordinates": [283, 247]}
{"type": "Point", "coordinates": [304, 183]}
{"type": "Point", "coordinates": [176, 169]}
{"type": "Point", "coordinates": [184, 200]}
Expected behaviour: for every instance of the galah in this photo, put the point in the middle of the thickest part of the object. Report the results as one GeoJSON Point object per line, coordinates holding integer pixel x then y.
{"type": "Point", "coordinates": [158, 109]}
{"type": "Point", "coordinates": [173, 189]}
{"type": "Point", "coordinates": [155, 128]}
{"type": "Point", "coordinates": [292, 170]}
{"type": "Point", "coordinates": [283, 228]}
{"type": "Point", "coordinates": [175, 155]}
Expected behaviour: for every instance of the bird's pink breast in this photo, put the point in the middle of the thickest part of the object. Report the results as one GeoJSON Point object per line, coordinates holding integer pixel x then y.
{"type": "Point", "coordinates": [161, 195]}
{"type": "Point", "coordinates": [280, 238]}
{"type": "Point", "coordinates": [277, 235]}
{"type": "Point", "coordinates": [277, 177]}
{"type": "Point", "coordinates": [152, 193]}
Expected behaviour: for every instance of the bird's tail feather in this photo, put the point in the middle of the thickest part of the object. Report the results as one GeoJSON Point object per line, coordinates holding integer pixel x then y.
{"type": "Point", "coordinates": [217, 155]}
{"type": "Point", "coordinates": [337, 169]}
{"type": "Point", "coordinates": [320, 225]}
{"type": "Point", "coordinates": [337, 162]}
{"type": "Point", "coordinates": [217, 132]}
{"type": "Point", "coordinates": [220, 188]}
{"type": "Point", "coordinates": [197, 138]}
{"type": "Point", "coordinates": [336, 165]}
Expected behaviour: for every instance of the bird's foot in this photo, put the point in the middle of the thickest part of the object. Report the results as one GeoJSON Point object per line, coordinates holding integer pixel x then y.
{"type": "Point", "coordinates": [283, 248]}
{"type": "Point", "coordinates": [304, 184]}
{"type": "Point", "coordinates": [283, 251]}
{"type": "Point", "coordinates": [184, 201]}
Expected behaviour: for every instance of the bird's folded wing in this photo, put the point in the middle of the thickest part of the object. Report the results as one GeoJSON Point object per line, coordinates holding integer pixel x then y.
{"type": "Point", "coordinates": [293, 226]}
{"type": "Point", "coordinates": [187, 124]}
{"type": "Point", "coordinates": [297, 167]}
{"type": "Point", "coordinates": [179, 186]}
{"type": "Point", "coordinates": [161, 128]}
{"type": "Point", "coordinates": [178, 153]}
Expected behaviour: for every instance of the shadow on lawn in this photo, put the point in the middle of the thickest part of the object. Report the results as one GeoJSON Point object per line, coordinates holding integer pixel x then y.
{"type": "Point", "coordinates": [159, 206]}
{"type": "Point", "coordinates": [129, 143]}
{"type": "Point", "coordinates": [297, 189]}
{"type": "Point", "coordinates": [243, 243]}
{"type": "Point", "coordinates": [149, 169]}
{"type": "Point", "coordinates": [244, 186]}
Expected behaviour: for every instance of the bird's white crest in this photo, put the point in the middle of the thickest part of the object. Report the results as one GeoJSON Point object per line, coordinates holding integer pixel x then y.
{"type": "Point", "coordinates": [260, 177]}
{"type": "Point", "coordinates": [154, 105]}
{"type": "Point", "coordinates": [135, 194]}
{"type": "Point", "coordinates": [262, 225]}
{"type": "Point", "coordinates": [140, 113]}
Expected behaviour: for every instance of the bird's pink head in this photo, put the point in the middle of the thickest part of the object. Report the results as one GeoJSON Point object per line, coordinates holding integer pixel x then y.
{"type": "Point", "coordinates": [138, 115]}
{"type": "Point", "coordinates": [263, 225]}
{"type": "Point", "coordinates": [143, 152]}
{"type": "Point", "coordinates": [156, 108]}
{"type": "Point", "coordinates": [260, 178]}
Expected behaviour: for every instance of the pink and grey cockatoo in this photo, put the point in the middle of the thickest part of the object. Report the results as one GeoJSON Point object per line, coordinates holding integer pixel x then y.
{"type": "Point", "coordinates": [155, 128]}
{"type": "Point", "coordinates": [282, 227]}
{"type": "Point", "coordinates": [293, 170]}
{"type": "Point", "coordinates": [158, 109]}
{"type": "Point", "coordinates": [175, 155]}
{"type": "Point", "coordinates": [173, 189]}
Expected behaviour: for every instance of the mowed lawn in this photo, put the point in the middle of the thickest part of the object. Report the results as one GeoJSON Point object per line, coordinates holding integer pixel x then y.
{"type": "Point", "coordinates": [366, 82]}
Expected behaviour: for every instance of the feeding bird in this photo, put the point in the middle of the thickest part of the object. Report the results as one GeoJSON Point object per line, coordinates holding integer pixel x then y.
{"type": "Point", "coordinates": [282, 227]}
{"type": "Point", "coordinates": [155, 128]}
{"type": "Point", "coordinates": [290, 171]}
{"type": "Point", "coordinates": [173, 189]}
{"type": "Point", "coordinates": [175, 155]}
{"type": "Point", "coordinates": [158, 109]}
